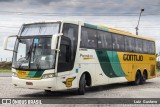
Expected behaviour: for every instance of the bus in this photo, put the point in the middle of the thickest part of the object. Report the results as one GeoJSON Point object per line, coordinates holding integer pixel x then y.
{"type": "Point", "coordinates": [64, 55]}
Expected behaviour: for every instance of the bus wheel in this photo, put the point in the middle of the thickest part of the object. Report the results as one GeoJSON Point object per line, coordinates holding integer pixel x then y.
{"type": "Point", "coordinates": [82, 85]}
{"type": "Point", "coordinates": [137, 79]}
{"type": "Point", "coordinates": [144, 77]}
{"type": "Point", "coordinates": [47, 91]}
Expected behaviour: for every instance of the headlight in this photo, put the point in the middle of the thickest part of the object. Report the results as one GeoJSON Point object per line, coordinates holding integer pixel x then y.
{"type": "Point", "coordinates": [48, 76]}
{"type": "Point", "coordinates": [14, 74]}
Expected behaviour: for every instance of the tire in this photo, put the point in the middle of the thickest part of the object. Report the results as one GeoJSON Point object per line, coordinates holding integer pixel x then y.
{"type": "Point", "coordinates": [82, 85]}
{"type": "Point", "coordinates": [137, 79]}
{"type": "Point", "coordinates": [48, 91]}
{"type": "Point", "coordinates": [144, 77]}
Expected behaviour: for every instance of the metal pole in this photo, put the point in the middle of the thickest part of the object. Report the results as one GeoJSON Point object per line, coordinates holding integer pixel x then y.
{"type": "Point", "coordinates": [139, 21]}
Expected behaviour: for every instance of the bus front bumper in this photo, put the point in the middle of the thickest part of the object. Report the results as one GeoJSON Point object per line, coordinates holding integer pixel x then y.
{"type": "Point", "coordinates": [45, 84]}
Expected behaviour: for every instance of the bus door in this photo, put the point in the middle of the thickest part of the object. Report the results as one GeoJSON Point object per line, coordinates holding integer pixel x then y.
{"type": "Point", "coordinates": [68, 47]}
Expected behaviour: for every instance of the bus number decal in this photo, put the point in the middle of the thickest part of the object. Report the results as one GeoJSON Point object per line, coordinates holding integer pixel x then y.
{"type": "Point", "coordinates": [69, 81]}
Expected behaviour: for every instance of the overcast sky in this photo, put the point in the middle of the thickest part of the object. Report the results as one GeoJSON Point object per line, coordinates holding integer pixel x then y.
{"type": "Point", "coordinates": [122, 14]}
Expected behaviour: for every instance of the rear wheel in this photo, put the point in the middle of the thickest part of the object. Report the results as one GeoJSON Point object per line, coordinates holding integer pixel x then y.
{"type": "Point", "coordinates": [82, 85]}
{"type": "Point", "coordinates": [137, 78]}
{"type": "Point", "coordinates": [144, 77]}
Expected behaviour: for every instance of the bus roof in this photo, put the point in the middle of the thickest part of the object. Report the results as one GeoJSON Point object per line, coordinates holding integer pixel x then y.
{"type": "Point", "coordinates": [100, 27]}
{"type": "Point", "coordinates": [105, 28]}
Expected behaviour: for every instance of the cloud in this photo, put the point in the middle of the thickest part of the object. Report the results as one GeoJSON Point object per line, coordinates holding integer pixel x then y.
{"type": "Point", "coordinates": [7, 0]}
{"type": "Point", "coordinates": [122, 14]}
{"type": "Point", "coordinates": [96, 7]}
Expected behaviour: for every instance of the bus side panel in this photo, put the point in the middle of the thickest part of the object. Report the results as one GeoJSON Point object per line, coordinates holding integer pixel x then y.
{"type": "Point", "coordinates": [132, 62]}
{"type": "Point", "coordinates": [88, 61]}
{"type": "Point", "coordinates": [150, 62]}
{"type": "Point", "coordinates": [110, 65]}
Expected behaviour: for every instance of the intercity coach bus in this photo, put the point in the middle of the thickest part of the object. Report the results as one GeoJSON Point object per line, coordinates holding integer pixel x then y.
{"type": "Point", "coordinates": [65, 55]}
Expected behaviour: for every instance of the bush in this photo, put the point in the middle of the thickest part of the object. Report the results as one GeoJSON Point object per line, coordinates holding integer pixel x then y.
{"type": "Point", "coordinates": [158, 65]}
{"type": "Point", "coordinates": [5, 65]}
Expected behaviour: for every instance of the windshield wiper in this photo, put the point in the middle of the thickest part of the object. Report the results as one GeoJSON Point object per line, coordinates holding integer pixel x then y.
{"type": "Point", "coordinates": [34, 50]}
{"type": "Point", "coordinates": [29, 52]}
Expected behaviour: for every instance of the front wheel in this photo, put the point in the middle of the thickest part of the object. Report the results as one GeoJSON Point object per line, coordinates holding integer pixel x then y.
{"type": "Point", "coordinates": [82, 85]}
{"type": "Point", "coordinates": [48, 91]}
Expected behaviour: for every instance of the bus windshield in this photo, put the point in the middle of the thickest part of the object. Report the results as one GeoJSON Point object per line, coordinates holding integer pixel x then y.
{"type": "Point", "coordinates": [33, 53]}
{"type": "Point", "coordinates": [33, 47]}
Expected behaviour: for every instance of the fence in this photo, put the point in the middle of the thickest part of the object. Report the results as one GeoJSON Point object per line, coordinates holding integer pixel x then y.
{"type": "Point", "coordinates": [5, 59]}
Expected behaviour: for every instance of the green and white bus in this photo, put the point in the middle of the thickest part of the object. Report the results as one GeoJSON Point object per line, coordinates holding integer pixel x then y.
{"type": "Point", "coordinates": [65, 55]}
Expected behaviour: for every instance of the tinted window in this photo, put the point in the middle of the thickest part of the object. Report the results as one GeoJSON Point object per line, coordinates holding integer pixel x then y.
{"type": "Point", "coordinates": [118, 42]}
{"type": "Point", "coordinates": [68, 47]}
{"type": "Point", "coordinates": [71, 31]}
{"type": "Point", "coordinates": [151, 47]}
{"type": "Point", "coordinates": [40, 29]}
{"type": "Point", "coordinates": [104, 40]}
{"type": "Point", "coordinates": [88, 38]}
{"type": "Point", "coordinates": [138, 45]}
{"type": "Point", "coordinates": [145, 46]}
{"type": "Point", "coordinates": [129, 44]}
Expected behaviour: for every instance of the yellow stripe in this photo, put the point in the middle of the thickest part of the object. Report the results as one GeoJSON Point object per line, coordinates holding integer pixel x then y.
{"type": "Point", "coordinates": [22, 74]}
{"type": "Point", "coordinates": [87, 58]}
{"type": "Point", "coordinates": [124, 33]}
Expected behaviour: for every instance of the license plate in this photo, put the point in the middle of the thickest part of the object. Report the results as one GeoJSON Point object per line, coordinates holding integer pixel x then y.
{"type": "Point", "coordinates": [29, 83]}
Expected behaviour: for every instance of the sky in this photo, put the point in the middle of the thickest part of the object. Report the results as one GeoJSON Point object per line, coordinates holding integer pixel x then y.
{"type": "Point", "coordinates": [121, 14]}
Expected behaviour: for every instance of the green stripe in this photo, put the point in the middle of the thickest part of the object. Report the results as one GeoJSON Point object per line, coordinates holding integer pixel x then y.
{"type": "Point", "coordinates": [31, 73]}
{"type": "Point", "coordinates": [95, 27]}
{"type": "Point", "coordinates": [35, 74]}
{"type": "Point", "coordinates": [115, 63]}
{"type": "Point", "coordinates": [105, 63]}
{"type": "Point", "coordinates": [90, 26]}
{"type": "Point", "coordinates": [110, 63]}
{"type": "Point", "coordinates": [38, 73]}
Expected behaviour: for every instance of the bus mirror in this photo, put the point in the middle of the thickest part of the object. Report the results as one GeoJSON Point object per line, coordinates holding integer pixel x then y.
{"type": "Point", "coordinates": [9, 43]}
{"type": "Point", "coordinates": [55, 41]}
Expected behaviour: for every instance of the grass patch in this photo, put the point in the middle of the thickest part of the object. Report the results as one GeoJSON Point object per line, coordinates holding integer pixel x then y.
{"type": "Point", "coordinates": [158, 70]}
{"type": "Point", "coordinates": [5, 70]}
{"type": "Point", "coordinates": [5, 66]}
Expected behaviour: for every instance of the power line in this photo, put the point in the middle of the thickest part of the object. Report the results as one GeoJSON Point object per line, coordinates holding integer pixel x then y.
{"type": "Point", "coordinates": [101, 2]}
{"type": "Point", "coordinates": [76, 13]}
{"type": "Point", "coordinates": [144, 27]}
{"type": "Point", "coordinates": [8, 27]}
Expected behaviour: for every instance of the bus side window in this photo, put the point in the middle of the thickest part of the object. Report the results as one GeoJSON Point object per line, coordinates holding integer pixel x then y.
{"type": "Point", "coordinates": [104, 40]}
{"type": "Point", "coordinates": [118, 42]}
{"type": "Point", "coordinates": [129, 44]}
{"type": "Point", "coordinates": [145, 46]}
{"type": "Point", "coordinates": [88, 38]}
{"type": "Point", "coordinates": [151, 47]}
{"type": "Point", "coordinates": [138, 45]}
{"type": "Point", "coordinates": [84, 39]}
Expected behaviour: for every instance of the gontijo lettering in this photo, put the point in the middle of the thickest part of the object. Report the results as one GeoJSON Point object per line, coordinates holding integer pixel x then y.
{"type": "Point", "coordinates": [131, 57]}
